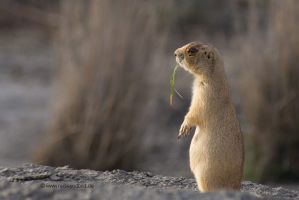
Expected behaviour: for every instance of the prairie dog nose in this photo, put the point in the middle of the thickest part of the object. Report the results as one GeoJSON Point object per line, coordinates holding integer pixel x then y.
{"type": "Point", "coordinates": [179, 54]}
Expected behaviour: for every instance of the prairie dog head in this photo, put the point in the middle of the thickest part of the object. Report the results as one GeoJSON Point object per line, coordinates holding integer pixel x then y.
{"type": "Point", "coordinates": [197, 58]}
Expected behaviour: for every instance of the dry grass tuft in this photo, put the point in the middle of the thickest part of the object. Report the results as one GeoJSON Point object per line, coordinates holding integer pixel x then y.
{"type": "Point", "coordinates": [269, 86]}
{"type": "Point", "coordinates": [106, 53]}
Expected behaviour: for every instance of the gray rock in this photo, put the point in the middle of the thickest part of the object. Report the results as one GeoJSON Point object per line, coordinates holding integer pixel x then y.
{"type": "Point", "coordinates": [43, 182]}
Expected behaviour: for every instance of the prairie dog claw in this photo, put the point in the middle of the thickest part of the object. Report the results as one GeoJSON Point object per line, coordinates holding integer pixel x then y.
{"type": "Point", "coordinates": [184, 130]}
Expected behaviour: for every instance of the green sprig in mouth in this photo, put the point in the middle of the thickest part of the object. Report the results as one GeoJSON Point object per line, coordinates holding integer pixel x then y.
{"type": "Point", "coordinates": [172, 89]}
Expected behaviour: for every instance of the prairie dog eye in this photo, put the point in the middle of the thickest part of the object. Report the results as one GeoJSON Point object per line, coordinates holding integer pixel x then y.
{"type": "Point", "coordinates": [192, 50]}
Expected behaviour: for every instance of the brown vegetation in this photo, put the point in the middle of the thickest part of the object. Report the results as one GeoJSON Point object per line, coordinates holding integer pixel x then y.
{"type": "Point", "coordinates": [269, 87]}
{"type": "Point", "coordinates": [106, 54]}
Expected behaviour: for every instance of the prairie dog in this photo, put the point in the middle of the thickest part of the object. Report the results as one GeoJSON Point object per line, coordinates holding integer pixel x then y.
{"type": "Point", "coordinates": [216, 151]}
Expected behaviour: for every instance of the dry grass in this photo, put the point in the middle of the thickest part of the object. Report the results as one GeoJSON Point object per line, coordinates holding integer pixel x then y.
{"type": "Point", "coordinates": [106, 53]}
{"type": "Point", "coordinates": [269, 87]}
{"type": "Point", "coordinates": [115, 72]}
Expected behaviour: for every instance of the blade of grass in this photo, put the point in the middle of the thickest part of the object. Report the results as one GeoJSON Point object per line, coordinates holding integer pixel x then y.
{"type": "Point", "coordinates": [172, 89]}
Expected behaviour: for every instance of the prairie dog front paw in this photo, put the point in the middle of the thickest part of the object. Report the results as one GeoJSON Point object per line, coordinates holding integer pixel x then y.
{"type": "Point", "coordinates": [185, 129]}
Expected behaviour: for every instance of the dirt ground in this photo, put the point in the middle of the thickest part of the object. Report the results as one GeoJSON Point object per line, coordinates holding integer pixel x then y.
{"type": "Point", "coordinates": [43, 182]}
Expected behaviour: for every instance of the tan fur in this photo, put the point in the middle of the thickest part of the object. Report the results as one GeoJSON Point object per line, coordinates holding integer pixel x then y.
{"type": "Point", "coordinates": [216, 150]}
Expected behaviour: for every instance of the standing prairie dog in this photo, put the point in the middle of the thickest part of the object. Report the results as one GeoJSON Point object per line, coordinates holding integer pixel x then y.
{"type": "Point", "coordinates": [217, 150]}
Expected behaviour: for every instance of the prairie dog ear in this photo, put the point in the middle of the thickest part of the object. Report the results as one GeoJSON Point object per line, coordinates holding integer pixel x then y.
{"type": "Point", "coordinates": [211, 58]}
{"type": "Point", "coordinates": [210, 55]}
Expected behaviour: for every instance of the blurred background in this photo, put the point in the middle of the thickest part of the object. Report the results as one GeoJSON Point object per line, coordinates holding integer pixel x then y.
{"type": "Point", "coordinates": [86, 83]}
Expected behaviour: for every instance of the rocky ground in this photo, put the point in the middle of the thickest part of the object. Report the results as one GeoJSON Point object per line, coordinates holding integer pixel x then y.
{"type": "Point", "coordinates": [43, 182]}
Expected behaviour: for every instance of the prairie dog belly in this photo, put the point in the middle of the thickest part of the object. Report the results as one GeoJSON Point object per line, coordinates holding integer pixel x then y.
{"type": "Point", "coordinates": [196, 151]}
{"type": "Point", "coordinates": [208, 149]}
{"type": "Point", "coordinates": [215, 162]}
